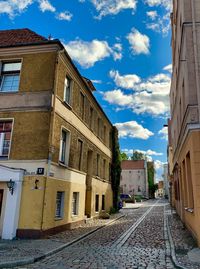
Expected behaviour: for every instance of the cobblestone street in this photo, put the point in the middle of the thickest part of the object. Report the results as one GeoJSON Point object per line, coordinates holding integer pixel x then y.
{"type": "Point", "coordinates": [138, 240]}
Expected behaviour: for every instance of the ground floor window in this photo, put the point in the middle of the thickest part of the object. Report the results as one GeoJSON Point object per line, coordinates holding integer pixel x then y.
{"type": "Point", "coordinates": [5, 137]}
{"type": "Point", "coordinates": [97, 203]}
{"type": "Point", "coordinates": [59, 204]}
{"type": "Point", "coordinates": [75, 201]}
{"type": "Point", "coordinates": [103, 202]}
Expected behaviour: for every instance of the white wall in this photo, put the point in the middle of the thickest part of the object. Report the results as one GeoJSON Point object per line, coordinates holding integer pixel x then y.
{"type": "Point", "coordinates": [12, 202]}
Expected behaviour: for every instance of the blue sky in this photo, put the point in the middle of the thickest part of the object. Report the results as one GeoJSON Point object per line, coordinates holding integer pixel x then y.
{"type": "Point", "coordinates": [123, 46]}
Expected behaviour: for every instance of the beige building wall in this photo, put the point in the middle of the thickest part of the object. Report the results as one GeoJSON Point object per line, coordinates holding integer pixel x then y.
{"type": "Point", "coordinates": [185, 112]}
{"type": "Point", "coordinates": [39, 114]}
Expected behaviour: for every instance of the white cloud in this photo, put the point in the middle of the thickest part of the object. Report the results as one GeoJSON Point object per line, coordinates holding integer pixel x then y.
{"type": "Point", "coordinates": [149, 95]}
{"type": "Point", "coordinates": [148, 152]}
{"type": "Point", "coordinates": [168, 68]}
{"type": "Point", "coordinates": [152, 14]}
{"type": "Point", "coordinates": [64, 16]}
{"type": "Point", "coordinates": [113, 7]}
{"type": "Point", "coordinates": [118, 97]}
{"type": "Point", "coordinates": [45, 5]}
{"type": "Point", "coordinates": [139, 42]}
{"type": "Point", "coordinates": [14, 7]}
{"type": "Point", "coordinates": [126, 81]}
{"type": "Point", "coordinates": [162, 23]}
{"type": "Point", "coordinates": [133, 129]}
{"type": "Point", "coordinates": [164, 133]}
{"type": "Point", "coordinates": [167, 4]}
{"type": "Point", "coordinates": [96, 81]}
{"type": "Point", "coordinates": [88, 53]}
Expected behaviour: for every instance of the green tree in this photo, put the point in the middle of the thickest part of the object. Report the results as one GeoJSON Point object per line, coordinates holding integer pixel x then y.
{"type": "Point", "coordinates": [124, 156]}
{"type": "Point", "coordinates": [151, 174]}
{"type": "Point", "coordinates": [115, 168]}
{"type": "Point", "coordinates": [137, 156]}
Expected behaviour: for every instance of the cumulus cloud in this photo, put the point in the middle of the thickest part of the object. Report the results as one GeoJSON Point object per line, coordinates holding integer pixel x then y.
{"type": "Point", "coordinates": [133, 129]}
{"type": "Point", "coordinates": [148, 152]}
{"type": "Point", "coordinates": [168, 68]}
{"type": "Point", "coordinates": [140, 43]}
{"type": "Point", "coordinates": [64, 16]}
{"type": "Point", "coordinates": [149, 95]}
{"type": "Point", "coordinates": [112, 7]}
{"type": "Point", "coordinates": [162, 23]}
{"type": "Point", "coordinates": [164, 133]}
{"type": "Point", "coordinates": [152, 14]}
{"type": "Point", "coordinates": [14, 7]}
{"type": "Point", "coordinates": [45, 5]}
{"type": "Point", "coordinates": [88, 53]}
{"type": "Point", "coordinates": [127, 81]}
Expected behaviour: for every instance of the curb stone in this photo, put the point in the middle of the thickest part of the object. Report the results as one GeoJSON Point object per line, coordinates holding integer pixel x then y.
{"type": "Point", "coordinates": [170, 244]}
{"type": "Point", "coordinates": [55, 250]}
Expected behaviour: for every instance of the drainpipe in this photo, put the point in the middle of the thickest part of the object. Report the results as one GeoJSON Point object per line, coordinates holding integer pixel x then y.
{"type": "Point", "coordinates": [51, 128]}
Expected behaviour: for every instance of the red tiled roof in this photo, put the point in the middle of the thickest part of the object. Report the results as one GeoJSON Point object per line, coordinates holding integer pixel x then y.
{"type": "Point", "coordinates": [131, 165]}
{"type": "Point", "coordinates": [19, 37]}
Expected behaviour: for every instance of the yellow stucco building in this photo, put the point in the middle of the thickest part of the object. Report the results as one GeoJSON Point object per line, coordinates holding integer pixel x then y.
{"type": "Point", "coordinates": [55, 139]}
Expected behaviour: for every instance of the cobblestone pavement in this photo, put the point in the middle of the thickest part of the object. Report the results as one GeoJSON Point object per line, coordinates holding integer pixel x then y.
{"type": "Point", "coordinates": [182, 239]}
{"type": "Point", "coordinates": [24, 249]}
{"type": "Point", "coordinates": [134, 241]}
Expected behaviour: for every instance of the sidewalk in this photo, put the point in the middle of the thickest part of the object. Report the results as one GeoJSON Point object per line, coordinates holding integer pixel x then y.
{"type": "Point", "coordinates": [186, 251]}
{"type": "Point", "coordinates": [20, 252]}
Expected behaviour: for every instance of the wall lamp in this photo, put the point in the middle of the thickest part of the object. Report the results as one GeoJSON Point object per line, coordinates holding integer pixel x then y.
{"type": "Point", "coordinates": [10, 185]}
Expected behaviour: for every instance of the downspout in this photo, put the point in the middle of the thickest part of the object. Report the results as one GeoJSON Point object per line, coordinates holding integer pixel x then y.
{"type": "Point", "coordinates": [195, 53]}
{"type": "Point", "coordinates": [51, 128]}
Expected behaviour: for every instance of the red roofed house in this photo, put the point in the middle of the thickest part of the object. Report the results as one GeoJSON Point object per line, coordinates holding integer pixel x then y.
{"type": "Point", "coordinates": [134, 178]}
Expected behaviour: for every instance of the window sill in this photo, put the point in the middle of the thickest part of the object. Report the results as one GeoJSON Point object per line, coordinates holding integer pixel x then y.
{"type": "Point", "coordinates": [58, 218]}
{"type": "Point", "coordinates": [67, 105]}
{"type": "Point", "coordinates": [190, 210]}
{"type": "Point", "coordinates": [63, 165]}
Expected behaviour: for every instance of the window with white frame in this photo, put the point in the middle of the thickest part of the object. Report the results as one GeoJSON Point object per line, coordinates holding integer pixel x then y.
{"type": "Point", "coordinates": [59, 204]}
{"type": "Point", "coordinates": [5, 138]}
{"type": "Point", "coordinates": [64, 147]}
{"type": "Point", "coordinates": [10, 75]}
{"type": "Point", "coordinates": [75, 202]}
{"type": "Point", "coordinates": [67, 90]}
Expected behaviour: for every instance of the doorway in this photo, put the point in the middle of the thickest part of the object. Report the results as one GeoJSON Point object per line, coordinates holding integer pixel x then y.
{"type": "Point", "coordinates": [1, 200]}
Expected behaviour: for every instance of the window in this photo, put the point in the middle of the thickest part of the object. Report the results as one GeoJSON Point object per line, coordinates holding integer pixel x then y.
{"type": "Point", "coordinates": [5, 137]}
{"type": "Point", "coordinates": [104, 133]}
{"type": "Point", "coordinates": [98, 162]}
{"type": "Point", "coordinates": [99, 127]}
{"type": "Point", "coordinates": [59, 204]}
{"type": "Point", "coordinates": [75, 201]}
{"type": "Point", "coordinates": [103, 202]}
{"type": "Point", "coordinates": [82, 105]}
{"type": "Point", "coordinates": [80, 149]}
{"type": "Point", "coordinates": [97, 203]}
{"type": "Point", "coordinates": [67, 90]}
{"type": "Point", "coordinates": [104, 169]}
{"type": "Point", "coordinates": [189, 181]}
{"type": "Point", "coordinates": [64, 147]}
{"type": "Point", "coordinates": [10, 73]}
{"type": "Point", "coordinates": [91, 117]}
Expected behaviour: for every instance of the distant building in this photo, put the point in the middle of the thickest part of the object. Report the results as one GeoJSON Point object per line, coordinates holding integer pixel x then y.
{"type": "Point", "coordinates": [185, 113]}
{"type": "Point", "coordinates": [134, 179]}
{"type": "Point", "coordinates": [55, 140]}
{"type": "Point", "coordinates": [160, 190]}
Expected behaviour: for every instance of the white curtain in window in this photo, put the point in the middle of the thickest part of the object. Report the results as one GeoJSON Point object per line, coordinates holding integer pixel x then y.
{"type": "Point", "coordinates": [2, 136]}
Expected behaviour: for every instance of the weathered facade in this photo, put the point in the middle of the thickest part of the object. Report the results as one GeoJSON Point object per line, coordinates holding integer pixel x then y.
{"type": "Point", "coordinates": [134, 180]}
{"type": "Point", "coordinates": [52, 129]}
{"type": "Point", "coordinates": [185, 113]}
